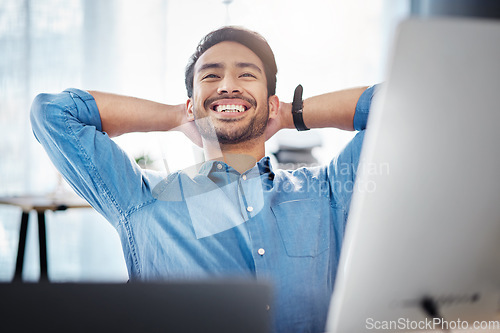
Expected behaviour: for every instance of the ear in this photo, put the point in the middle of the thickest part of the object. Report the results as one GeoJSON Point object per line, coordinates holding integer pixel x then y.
{"type": "Point", "coordinates": [274, 105]}
{"type": "Point", "coordinates": [189, 109]}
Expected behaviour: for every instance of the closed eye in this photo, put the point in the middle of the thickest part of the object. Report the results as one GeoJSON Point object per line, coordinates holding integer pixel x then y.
{"type": "Point", "coordinates": [248, 75]}
{"type": "Point", "coordinates": [210, 76]}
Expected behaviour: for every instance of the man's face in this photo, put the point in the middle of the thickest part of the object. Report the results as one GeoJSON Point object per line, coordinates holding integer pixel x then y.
{"type": "Point", "coordinates": [230, 87]}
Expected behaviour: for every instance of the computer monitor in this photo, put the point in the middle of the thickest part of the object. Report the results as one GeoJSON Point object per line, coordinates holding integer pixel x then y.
{"type": "Point", "coordinates": [422, 245]}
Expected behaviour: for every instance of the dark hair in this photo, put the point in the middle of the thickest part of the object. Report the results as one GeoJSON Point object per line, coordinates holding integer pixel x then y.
{"type": "Point", "coordinates": [250, 39]}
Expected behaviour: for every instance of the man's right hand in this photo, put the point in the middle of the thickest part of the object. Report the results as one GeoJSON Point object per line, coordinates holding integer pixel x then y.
{"type": "Point", "coordinates": [188, 127]}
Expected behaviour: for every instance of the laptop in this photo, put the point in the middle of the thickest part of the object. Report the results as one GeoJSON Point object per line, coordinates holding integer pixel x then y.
{"type": "Point", "coordinates": [216, 306]}
{"type": "Point", "coordinates": [422, 245]}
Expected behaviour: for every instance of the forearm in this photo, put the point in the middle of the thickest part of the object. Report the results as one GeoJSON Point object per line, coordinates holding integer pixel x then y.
{"type": "Point", "coordinates": [122, 114]}
{"type": "Point", "coordinates": [335, 109]}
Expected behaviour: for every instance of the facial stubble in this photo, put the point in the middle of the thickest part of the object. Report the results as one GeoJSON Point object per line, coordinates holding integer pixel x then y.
{"type": "Point", "coordinates": [230, 132]}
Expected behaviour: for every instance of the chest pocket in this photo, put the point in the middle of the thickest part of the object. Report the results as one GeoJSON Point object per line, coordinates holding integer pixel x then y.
{"type": "Point", "coordinates": [304, 226]}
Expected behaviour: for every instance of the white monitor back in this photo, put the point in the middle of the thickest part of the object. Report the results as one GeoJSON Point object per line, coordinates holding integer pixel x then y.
{"type": "Point", "coordinates": [425, 217]}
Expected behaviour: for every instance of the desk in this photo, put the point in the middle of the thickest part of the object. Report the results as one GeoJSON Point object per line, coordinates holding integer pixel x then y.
{"type": "Point", "coordinates": [40, 204]}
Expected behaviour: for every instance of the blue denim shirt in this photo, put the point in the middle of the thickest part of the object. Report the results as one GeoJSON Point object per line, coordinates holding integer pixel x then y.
{"type": "Point", "coordinates": [211, 221]}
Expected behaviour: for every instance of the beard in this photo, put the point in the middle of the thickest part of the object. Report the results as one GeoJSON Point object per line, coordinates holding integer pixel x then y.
{"type": "Point", "coordinates": [228, 134]}
{"type": "Point", "coordinates": [230, 131]}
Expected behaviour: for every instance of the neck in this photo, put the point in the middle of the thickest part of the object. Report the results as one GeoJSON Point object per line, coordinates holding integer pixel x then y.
{"type": "Point", "coordinates": [241, 157]}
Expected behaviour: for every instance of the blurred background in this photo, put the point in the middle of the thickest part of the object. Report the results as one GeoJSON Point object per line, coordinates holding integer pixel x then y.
{"type": "Point", "coordinates": [140, 48]}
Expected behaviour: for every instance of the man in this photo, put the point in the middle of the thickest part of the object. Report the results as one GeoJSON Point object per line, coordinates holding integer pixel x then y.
{"type": "Point", "coordinates": [234, 215]}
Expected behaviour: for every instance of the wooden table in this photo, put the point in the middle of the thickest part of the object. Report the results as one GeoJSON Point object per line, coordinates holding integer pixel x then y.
{"type": "Point", "coordinates": [40, 204]}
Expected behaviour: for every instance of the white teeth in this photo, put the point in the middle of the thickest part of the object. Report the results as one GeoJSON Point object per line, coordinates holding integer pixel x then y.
{"type": "Point", "coordinates": [230, 108]}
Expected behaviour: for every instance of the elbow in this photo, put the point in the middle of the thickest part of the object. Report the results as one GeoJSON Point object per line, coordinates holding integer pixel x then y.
{"type": "Point", "coordinates": [43, 114]}
{"type": "Point", "coordinates": [37, 113]}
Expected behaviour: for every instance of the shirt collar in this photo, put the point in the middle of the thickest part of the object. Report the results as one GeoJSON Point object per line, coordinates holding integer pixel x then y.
{"type": "Point", "coordinates": [264, 166]}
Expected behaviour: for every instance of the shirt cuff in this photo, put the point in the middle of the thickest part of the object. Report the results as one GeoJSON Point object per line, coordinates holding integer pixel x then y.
{"type": "Point", "coordinates": [363, 108]}
{"type": "Point", "coordinates": [86, 107]}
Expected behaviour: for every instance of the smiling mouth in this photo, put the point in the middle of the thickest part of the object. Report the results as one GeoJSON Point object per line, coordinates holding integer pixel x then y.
{"type": "Point", "coordinates": [229, 108]}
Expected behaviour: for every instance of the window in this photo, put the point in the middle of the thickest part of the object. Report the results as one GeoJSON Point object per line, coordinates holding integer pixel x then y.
{"type": "Point", "coordinates": [141, 49]}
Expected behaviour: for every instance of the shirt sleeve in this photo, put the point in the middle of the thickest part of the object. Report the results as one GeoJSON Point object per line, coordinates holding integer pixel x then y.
{"type": "Point", "coordinates": [342, 169]}
{"type": "Point", "coordinates": [68, 126]}
{"type": "Point", "coordinates": [363, 108]}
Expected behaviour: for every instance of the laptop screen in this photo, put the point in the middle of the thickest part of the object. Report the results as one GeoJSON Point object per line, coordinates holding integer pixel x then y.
{"type": "Point", "coordinates": [217, 306]}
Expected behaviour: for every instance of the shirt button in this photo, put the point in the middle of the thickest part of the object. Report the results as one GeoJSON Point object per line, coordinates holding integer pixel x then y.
{"type": "Point", "coordinates": [250, 208]}
{"type": "Point", "coordinates": [268, 307]}
{"type": "Point", "coordinates": [261, 251]}
{"type": "Point", "coordinates": [219, 166]}
{"type": "Point", "coordinates": [244, 177]}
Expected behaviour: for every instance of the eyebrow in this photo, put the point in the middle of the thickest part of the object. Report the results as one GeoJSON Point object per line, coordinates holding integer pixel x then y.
{"type": "Point", "coordinates": [220, 65]}
{"type": "Point", "coordinates": [248, 64]}
{"type": "Point", "coordinates": [210, 65]}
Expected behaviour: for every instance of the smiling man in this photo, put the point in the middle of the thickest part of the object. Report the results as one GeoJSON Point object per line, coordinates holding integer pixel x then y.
{"type": "Point", "coordinates": [226, 99]}
{"type": "Point", "coordinates": [233, 215]}
{"type": "Point", "coordinates": [230, 88]}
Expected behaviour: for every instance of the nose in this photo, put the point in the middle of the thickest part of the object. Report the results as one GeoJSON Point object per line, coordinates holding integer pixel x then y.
{"type": "Point", "coordinates": [229, 85]}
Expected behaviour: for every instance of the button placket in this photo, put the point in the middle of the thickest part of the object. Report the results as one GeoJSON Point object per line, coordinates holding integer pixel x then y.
{"type": "Point", "coordinates": [246, 206]}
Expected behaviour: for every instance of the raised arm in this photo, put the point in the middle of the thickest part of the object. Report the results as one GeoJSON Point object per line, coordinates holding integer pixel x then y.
{"type": "Point", "coordinates": [122, 114]}
{"type": "Point", "coordinates": [335, 109]}
{"type": "Point", "coordinates": [72, 127]}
